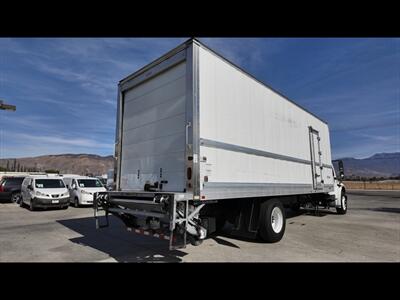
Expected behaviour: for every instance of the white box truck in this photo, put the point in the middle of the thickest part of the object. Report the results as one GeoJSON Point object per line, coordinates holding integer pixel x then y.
{"type": "Point", "coordinates": [200, 142]}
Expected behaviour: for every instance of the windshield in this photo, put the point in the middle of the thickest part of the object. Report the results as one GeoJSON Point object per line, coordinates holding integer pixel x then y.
{"type": "Point", "coordinates": [89, 183]}
{"type": "Point", "coordinates": [49, 183]}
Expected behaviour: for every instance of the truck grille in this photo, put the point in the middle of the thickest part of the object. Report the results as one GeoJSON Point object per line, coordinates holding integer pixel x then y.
{"type": "Point", "coordinates": [54, 196]}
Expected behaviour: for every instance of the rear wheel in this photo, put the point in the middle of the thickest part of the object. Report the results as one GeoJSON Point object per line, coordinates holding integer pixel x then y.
{"type": "Point", "coordinates": [343, 202]}
{"type": "Point", "coordinates": [272, 221]}
{"type": "Point", "coordinates": [16, 197]}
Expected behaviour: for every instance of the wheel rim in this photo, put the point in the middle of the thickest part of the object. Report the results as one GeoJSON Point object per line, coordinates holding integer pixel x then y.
{"type": "Point", "coordinates": [15, 198]}
{"type": "Point", "coordinates": [344, 203]}
{"type": "Point", "coordinates": [276, 219]}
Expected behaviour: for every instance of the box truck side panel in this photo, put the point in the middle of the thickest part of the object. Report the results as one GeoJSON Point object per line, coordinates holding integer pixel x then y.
{"type": "Point", "coordinates": [253, 141]}
{"type": "Point", "coordinates": [153, 134]}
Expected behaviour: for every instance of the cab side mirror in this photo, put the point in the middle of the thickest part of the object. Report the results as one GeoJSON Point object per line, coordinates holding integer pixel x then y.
{"type": "Point", "coordinates": [73, 186]}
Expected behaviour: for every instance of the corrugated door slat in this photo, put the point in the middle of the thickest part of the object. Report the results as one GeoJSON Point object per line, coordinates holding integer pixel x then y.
{"type": "Point", "coordinates": [153, 135]}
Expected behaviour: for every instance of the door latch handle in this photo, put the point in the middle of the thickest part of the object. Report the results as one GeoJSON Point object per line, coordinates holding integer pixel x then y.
{"type": "Point", "coordinates": [187, 131]}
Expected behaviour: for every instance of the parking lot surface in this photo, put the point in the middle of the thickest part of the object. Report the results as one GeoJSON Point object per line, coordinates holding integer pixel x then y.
{"type": "Point", "coordinates": [369, 232]}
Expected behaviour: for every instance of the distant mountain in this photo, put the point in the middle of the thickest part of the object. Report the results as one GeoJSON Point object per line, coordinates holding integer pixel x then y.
{"type": "Point", "coordinates": [66, 163]}
{"type": "Point", "coordinates": [378, 165]}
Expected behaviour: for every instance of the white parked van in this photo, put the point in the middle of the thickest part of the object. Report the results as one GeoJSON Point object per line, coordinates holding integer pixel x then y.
{"type": "Point", "coordinates": [82, 188]}
{"type": "Point", "coordinates": [44, 191]}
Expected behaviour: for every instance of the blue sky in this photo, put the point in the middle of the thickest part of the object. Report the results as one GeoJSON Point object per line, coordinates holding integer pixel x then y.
{"type": "Point", "coordinates": [65, 90]}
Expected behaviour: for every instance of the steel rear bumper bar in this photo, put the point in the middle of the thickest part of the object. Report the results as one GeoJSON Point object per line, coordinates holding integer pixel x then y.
{"type": "Point", "coordinates": [160, 205]}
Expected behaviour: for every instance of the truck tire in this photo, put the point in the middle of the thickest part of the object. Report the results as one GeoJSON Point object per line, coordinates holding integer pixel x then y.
{"type": "Point", "coordinates": [343, 202]}
{"type": "Point", "coordinates": [272, 221]}
{"type": "Point", "coordinates": [195, 241]}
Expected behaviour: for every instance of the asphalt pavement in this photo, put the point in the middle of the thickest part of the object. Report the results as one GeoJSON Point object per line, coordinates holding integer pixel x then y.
{"type": "Point", "coordinates": [369, 232]}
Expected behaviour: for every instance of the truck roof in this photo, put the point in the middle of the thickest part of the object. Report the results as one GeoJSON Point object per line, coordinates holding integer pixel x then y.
{"type": "Point", "coordinates": [196, 41]}
{"type": "Point", "coordinates": [79, 177]}
{"type": "Point", "coordinates": [49, 176]}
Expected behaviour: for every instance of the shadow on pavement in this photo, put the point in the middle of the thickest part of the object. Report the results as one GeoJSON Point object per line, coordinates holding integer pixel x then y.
{"type": "Point", "coordinates": [40, 209]}
{"type": "Point", "coordinates": [223, 242]}
{"type": "Point", "coordinates": [228, 232]}
{"type": "Point", "coordinates": [119, 244]}
{"type": "Point", "coordinates": [395, 210]}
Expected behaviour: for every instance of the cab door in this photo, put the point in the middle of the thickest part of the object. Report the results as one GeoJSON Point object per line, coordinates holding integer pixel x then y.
{"type": "Point", "coordinates": [24, 189]}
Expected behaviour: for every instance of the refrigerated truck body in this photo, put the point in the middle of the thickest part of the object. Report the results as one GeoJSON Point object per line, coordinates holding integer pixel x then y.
{"type": "Point", "coordinates": [199, 142]}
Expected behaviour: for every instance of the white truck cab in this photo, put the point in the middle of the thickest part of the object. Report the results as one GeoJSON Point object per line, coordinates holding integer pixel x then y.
{"type": "Point", "coordinates": [82, 188]}
{"type": "Point", "coordinates": [44, 191]}
{"type": "Point", "coordinates": [339, 191]}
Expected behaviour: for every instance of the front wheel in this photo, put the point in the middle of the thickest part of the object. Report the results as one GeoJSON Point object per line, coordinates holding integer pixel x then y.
{"type": "Point", "coordinates": [272, 221]}
{"type": "Point", "coordinates": [342, 210]}
{"type": "Point", "coordinates": [31, 205]}
{"type": "Point", "coordinates": [195, 241]}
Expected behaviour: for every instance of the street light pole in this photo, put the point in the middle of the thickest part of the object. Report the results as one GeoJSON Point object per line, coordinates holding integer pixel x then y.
{"type": "Point", "coordinates": [4, 106]}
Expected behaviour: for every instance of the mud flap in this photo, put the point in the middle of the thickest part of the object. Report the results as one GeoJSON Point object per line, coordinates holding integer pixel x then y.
{"type": "Point", "coordinates": [246, 223]}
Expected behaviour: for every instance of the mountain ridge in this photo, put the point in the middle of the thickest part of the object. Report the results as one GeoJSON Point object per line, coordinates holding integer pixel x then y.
{"type": "Point", "coordinates": [82, 163]}
{"type": "Point", "coordinates": [377, 165]}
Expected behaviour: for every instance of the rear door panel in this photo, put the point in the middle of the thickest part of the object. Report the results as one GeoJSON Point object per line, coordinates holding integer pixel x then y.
{"type": "Point", "coordinates": [153, 132]}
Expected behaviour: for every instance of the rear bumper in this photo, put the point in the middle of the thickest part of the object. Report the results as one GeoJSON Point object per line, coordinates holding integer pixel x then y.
{"type": "Point", "coordinates": [41, 202]}
{"type": "Point", "coordinates": [139, 203]}
{"type": "Point", "coordinates": [5, 196]}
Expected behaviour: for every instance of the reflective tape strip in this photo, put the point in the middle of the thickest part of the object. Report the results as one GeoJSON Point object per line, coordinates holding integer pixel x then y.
{"type": "Point", "coordinates": [148, 233]}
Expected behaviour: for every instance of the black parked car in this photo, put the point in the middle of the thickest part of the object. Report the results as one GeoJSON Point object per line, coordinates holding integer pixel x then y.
{"type": "Point", "coordinates": [10, 189]}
